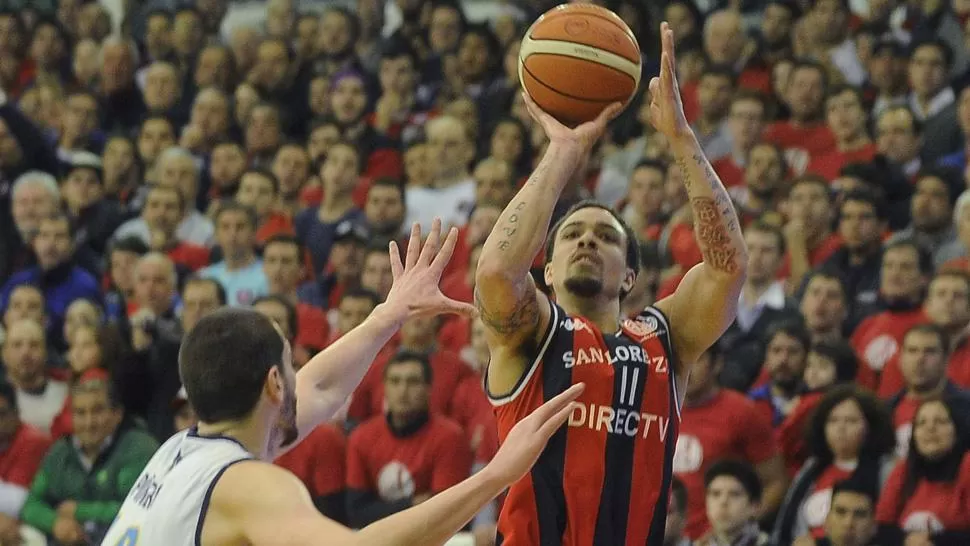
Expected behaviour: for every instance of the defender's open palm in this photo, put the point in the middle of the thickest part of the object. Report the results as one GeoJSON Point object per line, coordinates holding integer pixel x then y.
{"type": "Point", "coordinates": [528, 437]}
{"type": "Point", "coordinates": [416, 280]}
{"type": "Point", "coordinates": [666, 107]}
{"type": "Point", "coordinates": [585, 134]}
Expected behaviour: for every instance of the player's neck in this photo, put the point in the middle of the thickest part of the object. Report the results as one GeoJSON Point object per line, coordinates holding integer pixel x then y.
{"type": "Point", "coordinates": [604, 314]}
{"type": "Point", "coordinates": [247, 432]}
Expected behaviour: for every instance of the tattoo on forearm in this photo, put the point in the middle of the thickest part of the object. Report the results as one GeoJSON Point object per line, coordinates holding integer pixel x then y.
{"type": "Point", "coordinates": [510, 227]}
{"type": "Point", "coordinates": [713, 223]}
{"type": "Point", "coordinates": [524, 314]}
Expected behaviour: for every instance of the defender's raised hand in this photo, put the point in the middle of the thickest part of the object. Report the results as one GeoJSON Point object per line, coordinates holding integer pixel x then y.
{"type": "Point", "coordinates": [666, 107]}
{"type": "Point", "coordinates": [416, 280]}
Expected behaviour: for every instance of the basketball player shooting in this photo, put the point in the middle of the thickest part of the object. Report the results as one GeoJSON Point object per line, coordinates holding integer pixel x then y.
{"type": "Point", "coordinates": [213, 486]}
{"type": "Point", "coordinates": [604, 479]}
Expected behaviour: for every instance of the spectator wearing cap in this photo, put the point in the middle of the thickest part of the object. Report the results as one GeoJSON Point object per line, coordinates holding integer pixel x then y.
{"type": "Point", "coordinates": [34, 196]}
{"type": "Point", "coordinates": [887, 85]}
{"type": "Point", "coordinates": [343, 268]}
{"type": "Point", "coordinates": [95, 218]}
{"type": "Point", "coordinates": [57, 272]}
{"type": "Point", "coordinates": [804, 135]}
{"type": "Point", "coordinates": [932, 99]}
{"type": "Point", "coordinates": [452, 192]}
{"type": "Point", "coordinates": [316, 227]}
{"type": "Point", "coordinates": [241, 271]}
{"type": "Point", "coordinates": [846, 119]}
{"type": "Point", "coordinates": [260, 190]}
{"type": "Point", "coordinates": [931, 210]}
{"type": "Point", "coordinates": [899, 137]}
{"type": "Point", "coordinates": [85, 477]}
{"type": "Point", "coordinates": [283, 267]}
{"type": "Point", "coordinates": [23, 448]}
{"type": "Point", "coordinates": [25, 358]}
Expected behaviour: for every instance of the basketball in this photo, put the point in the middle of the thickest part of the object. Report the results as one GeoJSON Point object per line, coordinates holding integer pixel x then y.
{"type": "Point", "coordinates": [577, 59]}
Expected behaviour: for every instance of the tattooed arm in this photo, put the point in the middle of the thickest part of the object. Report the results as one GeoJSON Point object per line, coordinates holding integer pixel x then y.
{"type": "Point", "coordinates": [514, 312]}
{"type": "Point", "coordinates": [706, 302]}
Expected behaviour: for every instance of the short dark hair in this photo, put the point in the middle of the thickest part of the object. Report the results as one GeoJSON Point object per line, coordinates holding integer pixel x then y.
{"type": "Point", "coordinates": [224, 361]}
{"type": "Point", "coordinates": [232, 205]}
{"type": "Point", "coordinates": [856, 486]}
{"type": "Point", "coordinates": [764, 227]}
{"type": "Point", "coordinates": [739, 470]}
{"type": "Point", "coordinates": [839, 89]}
{"type": "Point", "coordinates": [291, 315]}
{"type": "Point", "coordinates": [721, 71]}
{"type": "Point", "coordinates": [812, 179]}
{"type": "Point", "coordinates": [939, 44]}
{"type": "Point", "coordinates": [868, 197]}
{"type": "Point", "coordinates": [284, 239]}
{"type": "Point", "coordinates": [794, 328]}
{"type": "Point", "coordinates": [842, 356]}
{"type": "Point", "coordinates": [880, 438]}
{"type": "Point", "coordinates": [361, 294]}
{"type": "Point", "coordinates": [632, 244]}
{"type": "Point", "coordinates": [933, 329]}
{"type": "Point", "coordinates": [654, 164]}
{"type": "Point", "coordinates": [9, 393]}
{"type": "Point", "coordinates": [388, 182]}
{"type": "Point", "coordinates": [917, 124]}
{"type": "Point", "coordinates": [131, 243]}
{"type": "Point", "coordinates": [196, 279]}
{"type": "Point", "coordinates": [265, 173]}
{"type": "Point", "coordinates": [924, 257]}
{"type": "Point", "coordinates": [805, 64]}
{"type": "Point", "coordinates": [410, 356]}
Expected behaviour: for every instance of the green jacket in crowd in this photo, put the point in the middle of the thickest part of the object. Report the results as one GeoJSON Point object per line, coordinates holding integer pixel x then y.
{"type": "Point", "coordinates": [99, 491]}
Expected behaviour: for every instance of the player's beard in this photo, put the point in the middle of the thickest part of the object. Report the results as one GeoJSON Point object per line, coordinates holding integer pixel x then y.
{"type": "Point", "coordinates": [583, 286]}
{"type": "Point", "coordinates": [286, 425]}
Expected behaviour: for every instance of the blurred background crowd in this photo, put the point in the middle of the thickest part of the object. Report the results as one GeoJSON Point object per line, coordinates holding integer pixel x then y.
{"type": "Point", "coordinates": [161, 159]}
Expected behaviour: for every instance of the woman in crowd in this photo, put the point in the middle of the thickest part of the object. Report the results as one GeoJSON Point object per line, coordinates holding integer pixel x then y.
{"type": "Point", "coordinates": [927, 498]}
{"type": "Point", "coordinates": [849, 435]}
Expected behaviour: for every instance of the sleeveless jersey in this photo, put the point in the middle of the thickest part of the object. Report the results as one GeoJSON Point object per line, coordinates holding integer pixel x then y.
{"type": "Point", "coordinates": [167, 504]}
{"type": "Point", "coordinates": [604, 479]}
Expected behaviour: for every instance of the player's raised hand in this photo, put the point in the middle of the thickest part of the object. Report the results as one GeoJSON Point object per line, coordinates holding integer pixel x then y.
{"type": "Point", "coordinates": [585, 134]}
{"type": "Point", "coordinates": [528, 437]}
{"type": "Point", "coordinates": [666, 107]}
{"type": "Point", "coordinates": [416, 280]}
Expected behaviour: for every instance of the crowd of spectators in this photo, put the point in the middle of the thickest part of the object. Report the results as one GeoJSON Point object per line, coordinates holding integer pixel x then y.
{"type": "Point", "coordinates": [151, 176]}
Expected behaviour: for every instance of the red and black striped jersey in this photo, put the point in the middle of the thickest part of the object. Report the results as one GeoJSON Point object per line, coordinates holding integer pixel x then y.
{"type": "Point", "coordinates": [604, 479]}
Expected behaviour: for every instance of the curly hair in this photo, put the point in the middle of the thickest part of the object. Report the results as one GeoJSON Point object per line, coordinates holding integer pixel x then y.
{"type": "Point", "coordinates": [880, 438]}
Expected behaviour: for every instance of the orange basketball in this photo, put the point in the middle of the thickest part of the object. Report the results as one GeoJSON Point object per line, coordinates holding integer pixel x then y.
{"type": "Point", "coordinates": [577, 59]}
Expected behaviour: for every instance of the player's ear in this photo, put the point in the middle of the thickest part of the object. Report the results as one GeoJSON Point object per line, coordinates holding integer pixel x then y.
{"type": "Point", "coordinates": [275, 385]}
{"type": "Point", "coordinates": [547, 273]}
{"type": "Point", "coordinates": [629, 280]}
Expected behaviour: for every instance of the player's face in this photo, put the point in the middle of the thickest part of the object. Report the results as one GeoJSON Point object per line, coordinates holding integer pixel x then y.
{"type": "Point", "coordinates": [589, 258]}
{"type": "Point", "coordinates": [728, 506]}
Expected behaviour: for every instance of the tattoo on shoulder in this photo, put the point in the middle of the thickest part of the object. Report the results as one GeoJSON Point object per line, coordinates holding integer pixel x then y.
{"type": "Point", "coordinates": [718, 249]}
{"type": "Point", "coordinates": [524, 314]}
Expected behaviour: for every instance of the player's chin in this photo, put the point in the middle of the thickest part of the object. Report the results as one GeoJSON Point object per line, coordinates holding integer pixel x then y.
{"type": "Point", "coordinates": [584, 285]}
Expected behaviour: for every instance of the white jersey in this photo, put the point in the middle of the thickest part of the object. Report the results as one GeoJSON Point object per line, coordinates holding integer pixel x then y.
{"type": "Point", "coordinates": [167, 504]}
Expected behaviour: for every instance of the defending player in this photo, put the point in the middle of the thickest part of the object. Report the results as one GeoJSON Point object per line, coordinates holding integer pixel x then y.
{"type": "Point", "coordinates": [210, 486]}
{"type": "Point", "coordinates": [604, 479]}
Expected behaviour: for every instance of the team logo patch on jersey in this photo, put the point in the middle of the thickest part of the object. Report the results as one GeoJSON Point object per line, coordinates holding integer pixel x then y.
{"type": "Point", "coordinates": [641, 327]}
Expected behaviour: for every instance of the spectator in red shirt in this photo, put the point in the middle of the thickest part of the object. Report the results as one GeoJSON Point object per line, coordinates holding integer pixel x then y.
{"type": "Point", "coordinates": [460, 285]}
{"type": "Point", "coordinates": [22, 448]}
{"type": "Point", "coordinates": [355, 306]}
{"type": "Point", "coordinates": [746, 124]}
{"type": "Point", "coordinates": [906, 268]}
{"type": "Point", "coordinates": [384, 211]}
{"type": "Point", "coordinates": [706, 436]}
{"type": "Point", "coordinates": [785, 358]}
{"type": "Point", "coordinates": [319, 461]}
{"type": "Point", "coordinates": [404, 457]}
{"type": "Point", "coordinates": [376, 274]}
{"type": "Point", "coordinates": [805, 135]}
{"type": "Point", "coordinates": [283, 269]}
{"type": "Point", "coordinates": [164, 209]}
{"type": "Point", "coordinates": [927, 497]}
{"type": "Point", "coordinates": [824, 306]}
{"type": "Point", "coordinates": [643, 209]}
{"type": "Point", "coordinates": [846, 119]}
{"type": "Point", "coordinates": [725, 43]}
{"type": "Point", "coordinates": [948, 306]}
{"type": "Point", "coordinates": [808, 231]}
{"type": "Point", "coordinates": [899, 137]}
{"type": "Point", "coordinates": [260, 190]}
{"type": "Point", "coordinates": [849, 436]}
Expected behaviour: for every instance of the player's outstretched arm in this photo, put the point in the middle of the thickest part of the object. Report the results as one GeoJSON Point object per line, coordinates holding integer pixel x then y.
{"type": "Point", "coordinates": [505, 294]}
{"type": "Point", "coordinates": [706, 301]}
{"type": "Point", "coordinates": [259, 503]}
{"type": "Point", "coordinates": [326, 382]}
